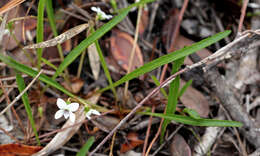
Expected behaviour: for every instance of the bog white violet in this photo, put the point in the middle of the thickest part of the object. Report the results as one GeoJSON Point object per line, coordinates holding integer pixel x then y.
{"type": "Point", "coordinates": [66, 110]}
{"type": "Point", "coordinates": [101, 15]}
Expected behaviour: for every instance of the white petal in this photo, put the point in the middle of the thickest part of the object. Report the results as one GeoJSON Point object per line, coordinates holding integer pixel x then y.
{"type": "Point", "coordinates": [72, 117]}
{"type": "Point", "coordinates": [90, 112]}
{"type": "Point", "coordinates": [61, 104]}
{"type": "Point", "coordinates": [66, 114]}
{"type": "Point", "coordinates": [96, 9]}
{"type": "Point", "coordinates": [59, 114]}
{"type": "Point", "coordinates": [73, 107]}
{"type": "Point", "coordinates": [105, 16]}
{"type": "Point", "coordinates": [88, 116]}
{"type": "Point", "coordinates": [95, 112]}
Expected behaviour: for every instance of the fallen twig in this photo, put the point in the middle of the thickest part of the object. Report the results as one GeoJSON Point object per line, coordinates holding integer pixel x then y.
{"type": "Point", "coordinates": [21, 94]}
{"type": "Point", "coordinates": [216, 57]}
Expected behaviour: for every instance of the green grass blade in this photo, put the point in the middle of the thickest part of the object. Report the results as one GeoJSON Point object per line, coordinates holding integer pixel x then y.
{"type": "Point", "coordinates": [184, 88]}
{"type": "Point", "coordinates": [51, 18]}
{"type": "Point", "coordinates": [157, 83]}
{"type": "Point", "coordinates": [27, 70]}
{"type": "Point", "coordinates": [105, 68]}
{"type": "Point", "coordinates": [39, 35]}
{"type": "Point", "coordinates": [170, 58]}
{"type": "Point", "coordinates": [173, 95]}
{"type": "Point", "coordinates": [49, 63]}
{"type": "Point", "coordinates": [84, 150]}
{"type": "Point", "coordinates": [93, 37]}
{"type": "Point", "coordinates": [25, 99]}
{"type": "Point", "coordinates": [196, 122]}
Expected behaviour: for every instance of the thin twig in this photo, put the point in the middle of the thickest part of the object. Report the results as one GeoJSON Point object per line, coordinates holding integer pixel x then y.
{"type": "Point", "coordinates": [242, 16]}
{"type": "Point", "coordinates": [155, 138]}
{"type": "Point", "coordinates": [21, 94]}
{"type": "Point", "coordinates": [130, 64]}
{"type": "Point", "coordinates": [167, 140]}
{"type": "Point", "coordinates": [167, 81]}
{"type": "Point", "coordinates": [148, 131]}
{"type": "Point", "coordinates": [13, 110]}
{"type": "Point", "coordinates": [175, 34]}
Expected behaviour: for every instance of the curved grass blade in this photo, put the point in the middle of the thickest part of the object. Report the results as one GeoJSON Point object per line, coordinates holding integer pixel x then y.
{"type": "Point", "coordinates": [94, 36]}
{"type": "Point", "coordinates": [84, 150]}
{"type": "Point", "coordinates": [25, 99]}
{"type": "Point", "coordinates": [170, 58]}
{"type": "Point", "coordinates": [196, 122]}
{"type": "Point", "coordinates": [39, 36]}
{"type": "Point", "coordinates": [27, 70]}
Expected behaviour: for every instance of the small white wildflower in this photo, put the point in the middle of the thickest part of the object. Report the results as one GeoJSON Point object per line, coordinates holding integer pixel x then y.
{"type": "Point", "coordinates": [101, 15]}
{"type": "Point", "coordinates": [66, 110]}
{"type": "Point", "coordinates": [92, 111]}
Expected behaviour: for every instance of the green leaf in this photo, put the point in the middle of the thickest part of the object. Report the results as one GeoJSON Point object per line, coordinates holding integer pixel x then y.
{"type": "Point", "coordinates": [25, 99]}
{"type": "Point", "coordinates": [93, 37]}
{"type": "Point", "coordinates": [39, 35]}
{"type": "Point", "coordinates": [157, 83]}
{"type": "Point", "coordinates": [173, 95]}
{"type": "Point", "coordinates": [27, 70]}
{"type": "Point", "coordinates": [84, 150]}
{"type": "Point", "coordinates": [184, 88]}
{"type": "Point", "coordinates": [105, 68]}
{"type": "Point", "coordinates": [196, 122]}
{"type": "Point", "coordinates": [192, 113]}
{"type": "Point", "coordinates": [51, 17]}
{"type": "Point", "coordinates": [173, 56]}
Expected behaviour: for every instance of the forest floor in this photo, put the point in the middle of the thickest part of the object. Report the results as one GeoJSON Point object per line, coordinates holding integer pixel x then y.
{"type": "Point", "coordinates": [162, 77]}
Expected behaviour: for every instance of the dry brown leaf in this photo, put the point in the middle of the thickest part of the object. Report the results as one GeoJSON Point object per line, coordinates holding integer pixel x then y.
{"type": "Point", "coordinates": [76, 85]}
{"type": "Point", "coordinates": [105, 123]}
{"type": "Point", "coordinates": [179, 147]}
{"type": "Point", "coordinates": [133, 141]}
{"type": "Point", "coordinates": [18, 150]}
{"type": "Point", "coordinates": [170, 30]}
{"type": "Point", "coordinates": [94, 60]}
{"type": "Point", "coordinates": [121, 45]}
{"type": "Point", "coordinates": [64, 136]}
{"type": "Point", "coordinates": [194, 99]}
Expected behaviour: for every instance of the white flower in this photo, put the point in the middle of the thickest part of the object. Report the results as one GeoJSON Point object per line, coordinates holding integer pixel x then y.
{"type": "Point", "coordinates": [66, 110]}
{"type": "Point", "coordinates": [101, 14]}
{"type": "Point", "coordinates": [92, 111]}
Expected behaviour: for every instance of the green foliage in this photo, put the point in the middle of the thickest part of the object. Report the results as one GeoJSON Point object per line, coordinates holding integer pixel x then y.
{"type": "Point", "coordinates": [84, 150]}
{"type": "Point", "coordinates": [95, 36]}
{"type": "Point", "coordinates": [105, 68]}
{"type": "Point", "coordinates": [196, 122]}
{"type": "Point", "coordinates": [25, 99]}
{"type": "Point", "coordinates": [192, 113]}
{"type": "Point", "coordinates": [173, 95]}
{"type": "Point", "coordinates": [173, 56]}
{"type": "Point", "coordinates": [29, 71]}
{"type": "Point", "coordinates": [157, 83]}
{"type": "Point", "coordinates": [40, 28]}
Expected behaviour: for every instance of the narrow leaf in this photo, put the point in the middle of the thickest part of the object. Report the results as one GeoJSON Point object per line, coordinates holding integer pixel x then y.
{"type": "Point", "coordinates": [196, 122]}
{"type": "Point", "coordinates": [173, 56]}
{"type": "Point", "coordinates": [39, 36]}
{"type": "Point", "coordinates": [84, 150]}
{"type": "Point", "coordinates": [94, 36]}
{"type": "Point", "coordinates": [25, 99]}
{"type": "Point", "coordinates": [27, 70]}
